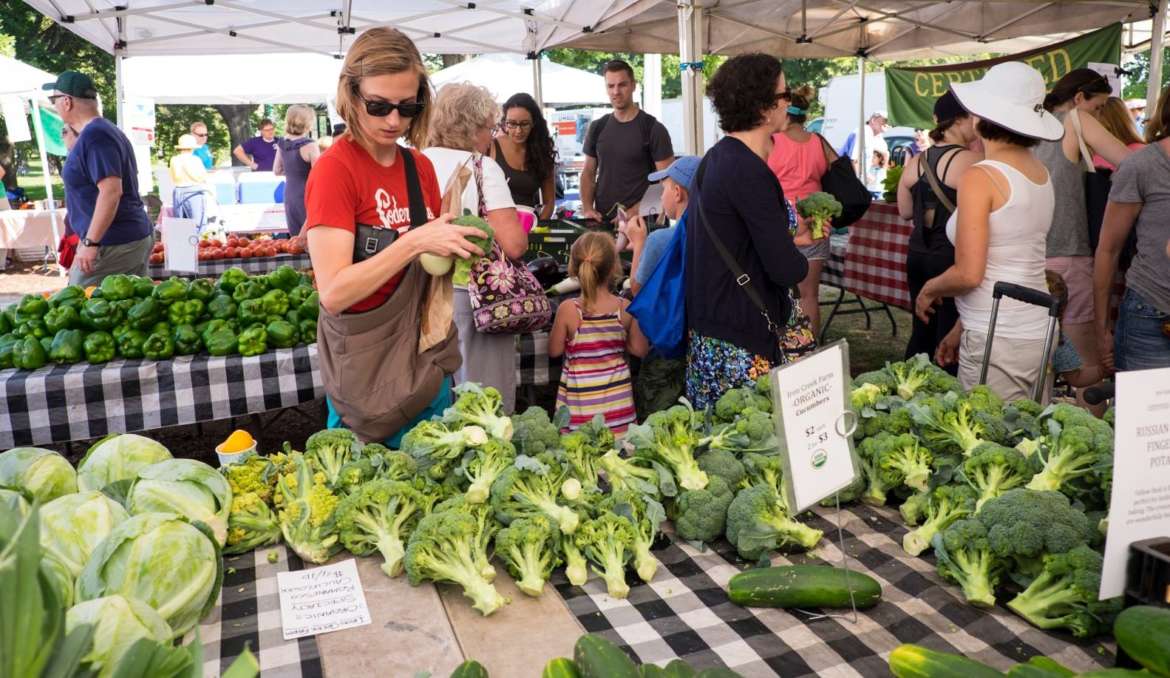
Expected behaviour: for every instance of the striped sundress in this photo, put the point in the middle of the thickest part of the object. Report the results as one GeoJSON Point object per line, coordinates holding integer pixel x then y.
{"type": "Point", "coordinates": [595, 377]}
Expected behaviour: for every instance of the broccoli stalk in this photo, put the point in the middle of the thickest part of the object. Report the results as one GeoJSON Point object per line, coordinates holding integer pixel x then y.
{"type": "Point", "coordinates": [1070, 456]}
{"type": "Point", "coordinates": [576, 568]}
{"type": "Point", "coordinates": [251, 524]}
{"type": "Point", "coordinates": [910, 460]}
{"type": "Point", "coordinates": [965, 557]}
{"type": "Point", "coordinates": [880, 477]}
{"type": "Point", "coordinates": [479, 406]}
{"type": "Point", "coordinates": [528, 492]}
{"type": "Point", "coordinates": [993, 469]}
{"type": "Point", "coordinates": [759, 521]}
{"type": "Point", "coordinates": [379, 517]}
{"type": "Point", "coordinates": [436, 447]}
{"type": "Point", "coordinates": [528, 549]}
{"type": "Point", "coordinates": [608, 542]}
{"type": "Point", "coordinates": [669, 438]}
{"type": "Point", "coordinates": [330, 450]}
{"type": "Point", "coordinates": [914, 507]}
{"type": "Point", "coordinates": [1064, 595]}
{"type": "Point", "coordinates": [451, 546]}
{"type": "Point", "coordinates": [483, 466]}
{"type": "Point", "coordinates": [753, 431]}
{"type": "Point", "coordinates": [629, 475]}
{"type": "Point", "coordinates": [949, 421]}
{"type": "Point", "coordinates": [646, 515]}
{"type": "Point", "coordinates": [578, 449]}
{"type": "Point", "coordinates": [947, 504]}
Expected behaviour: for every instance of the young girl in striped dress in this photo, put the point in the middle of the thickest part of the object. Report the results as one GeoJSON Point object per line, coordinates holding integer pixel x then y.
{"type": "Point", "coordinates": [594, 332]}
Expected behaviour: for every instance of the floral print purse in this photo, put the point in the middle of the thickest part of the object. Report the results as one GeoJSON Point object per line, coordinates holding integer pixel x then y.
{"type": "Point", "coordinates": [505, 297]}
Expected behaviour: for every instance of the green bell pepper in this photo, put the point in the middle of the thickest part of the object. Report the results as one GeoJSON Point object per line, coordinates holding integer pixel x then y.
{"type": "Point", "coordinates": [117, 287]}
{"type": "Point", "coordinates": [253, 341]}
{"type": "Point", "coordinates": [222, 307]}
{"type": "Point", "coordinates": [8, 343]}
{"type": "Point", "coordinates": [9, 314]}
{"type": "Point", "coordinates": [291, 316]}
{"type": "Point", "coordinates": [285, 278]}
{"type": "Point", "coordinates": [282, 334]}
{"type": "Point", "coordinates": [310, 308]}
{"type": "Point", "coordinates": [68, 294]}
{"type": "Point", "coordinates": [158, 347]}
{"type": "Point", "coordinates": [213, 326]}
{"type": "Point", "coordinates": [298, 294]}
{"type": "Point", "coordinates": [124, 305]}
{"type": "Point", "coordinates": [68, 347]}
{"type": "Point", "coordinates": [143, 286]}
{"type": "Point", "coordinates": [46, 343]}
{"type": "Point", "coordinates": [100, 314]}
{"type": "Point", "coordinates": [187, 341]}
{"type": "Point", "coordinates": [160, 327]}
{"type": "Point", "coordinates": [275, 302]}
{"type": "Point", "coordinates": [31, 307]}
{"type": "Point", "coordinates": [99, 347]}
{"type": "Point", "coordinates": [62, 318]}
{"type": "Point", "coordinates": [121, 331]}
{"type": "Point", "coordinates": [5, 324]}
{"type": "Point", "coordinates": [32, 328]}
{"type": "Point", "coordinates": [308, 329]}
{"type": "Point", "coordinates": [252, 311]}
{"type": "Point", "coordinates": [29, 354]}
{"type": "Point", "coordinates": [229, 279]}
{"type": "Point", "coordinates": [145, 313]}
{"type": "Point", "coordinates": [171, 290]}
{"type": "Point", "coordinates": [249, 289]}
{"type": "Point", "coordinates": [221, 342]}
{"type": "Point", "coordinates": [202, 289]}
{"type": "Point", "coordinates": [234, 325]}
{"type": "Point", "coordinates": [130, 344]}
{"type": "Point", "coordinates": [185, 312]}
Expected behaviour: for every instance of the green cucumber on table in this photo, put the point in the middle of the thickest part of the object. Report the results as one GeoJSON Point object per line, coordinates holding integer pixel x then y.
{"type": "Point", "coordinates": [560, 667]}
{"type": "Point", "coordinates": [596, 657]}
{"type": "Point", "coordinates": [915, 661]}
{"type": "Point", "coordinates": [1143, 632]}
{"type": "Point", "coordinates": [803, 586]}
{"type": "Point", "coordinates": [470, 669]}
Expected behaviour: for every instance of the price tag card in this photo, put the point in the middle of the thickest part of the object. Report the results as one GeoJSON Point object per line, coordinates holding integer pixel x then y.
{"type": "Point", "coordinates": [181, 244]}
{"type": "Point", "coordinates": [1140, 505]}
{"type": "Point", "coordinates": [320, 600]}
{"type": "Point", "coordinates": [811, 407]}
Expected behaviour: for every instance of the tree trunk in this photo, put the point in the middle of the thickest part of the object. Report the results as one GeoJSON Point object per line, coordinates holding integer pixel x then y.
{"type": "Point", "coordinates": [239, 124]}
{"type": "Point", "coordinates": [452, 59]}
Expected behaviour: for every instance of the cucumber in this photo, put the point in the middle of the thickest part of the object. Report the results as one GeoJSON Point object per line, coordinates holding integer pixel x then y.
{"type": "Point", "coordinates": [677, 668]}
{"type": "Point", "coordinates": [1031, 671]}
{"type": "Point", "coordinates": [1051, 665]}
{"type": "Point", "coordinates": [915, 661]}
{"type": "Point", "coordinates": [803, 586]}
{"type": "Point", "coordinates": [1144, 633]}
{"type": "Point", "coordinates": [560, 668]}
{"type": "Point", "coordinates": [718, 673]}
{"type": "Point", "coordinates": [470, 669]}
{"type": "Point", "coordinates": [652, 671]}
{"type": "Point", "coordinates": [1114, 673]}
{"type": "Point", "coordinates": [596, 657]}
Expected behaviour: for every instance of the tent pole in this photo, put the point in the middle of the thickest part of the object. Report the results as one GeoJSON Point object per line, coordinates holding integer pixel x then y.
{"type": "Point", "coordinates": [537, 85]}
{"type": "Point", "coordinates": [1154, 84]}
{"type": "Point", "coordinates": [859, 143]}
{"type": "Point", "coordinates": [689, 32]}
{"type": "Point", "coordinates": [45, 176]}
{"type": "Point", "coordinates": [652, 84]}
{"type": "Point", "coordinates": [119, 94]}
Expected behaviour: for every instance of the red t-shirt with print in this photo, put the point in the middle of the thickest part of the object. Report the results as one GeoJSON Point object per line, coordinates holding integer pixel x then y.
{"type": "Point", "coordinates": [347, 187]}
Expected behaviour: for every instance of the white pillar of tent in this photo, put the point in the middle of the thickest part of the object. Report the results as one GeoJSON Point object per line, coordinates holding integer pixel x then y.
{"type": "Point", "coordinates": [690, 31]}
{"type": "Point", "coordinates": [652, 85]}
{"type": "Point", "coordinates": [40, 129]}
{"type": "Point", "coordinates": [859, 142]}
{"type": "Point", "coordinates": [1154, 84]}
{"type": "Point", "coordinates": [537, 82]}
{"type": "Point", "coordinates": [119, 93]}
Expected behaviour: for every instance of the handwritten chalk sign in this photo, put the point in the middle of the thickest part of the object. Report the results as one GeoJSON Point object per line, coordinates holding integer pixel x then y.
{"type": "Point", "coordinates": [324, 599]}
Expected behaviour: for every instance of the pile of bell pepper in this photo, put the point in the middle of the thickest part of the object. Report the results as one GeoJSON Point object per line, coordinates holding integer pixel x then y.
{"type": "Point", "coordinates": [134, 318]}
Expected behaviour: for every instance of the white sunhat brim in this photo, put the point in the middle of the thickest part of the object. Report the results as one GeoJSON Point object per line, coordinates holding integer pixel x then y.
{"type": "Point", "coordinates": [980, 100]}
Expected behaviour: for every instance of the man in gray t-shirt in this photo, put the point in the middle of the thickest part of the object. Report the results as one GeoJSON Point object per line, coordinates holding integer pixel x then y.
{"type": "Point", "coordinates": [1144, 178]}
{"type": "Point", "coordinates": [621, 149]}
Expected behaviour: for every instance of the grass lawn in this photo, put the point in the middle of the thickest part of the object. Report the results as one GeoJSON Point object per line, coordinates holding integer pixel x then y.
{"type": "Point", "coordinates": [869, 349]}
{"type": "Point", "coordinates": [34, 184]}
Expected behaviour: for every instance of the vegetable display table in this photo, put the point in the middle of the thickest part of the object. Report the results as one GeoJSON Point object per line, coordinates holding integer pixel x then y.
{"type": "Point", "coordinates": [875, 261]}
{"type": "Point", "coordinates": [26, 229]}
{"type": "Point", "coordinates": [533, 366]}
{"type": "Point", "coordinates": [250, 265]}
{"type": "Point", "coordinates": [60, 403]}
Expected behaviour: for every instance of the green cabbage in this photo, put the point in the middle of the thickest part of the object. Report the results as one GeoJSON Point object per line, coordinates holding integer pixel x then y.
{"type": "Point", "coordinates": [118, 457]}
{"type": "Point", "coordinates": [72, 526]}
{"type": "Point", "coordinates": [59, 577]}
{"type": "Point", "coordinates": [11, 500]}
{"type": "Point", "coordinates": [161, 559]}
{"type": "Point", "coordinates": [118, 622]}
{"type": "Point", "coordinates": [44, 473]}
{"type": "Point", "coordinates": [187, 487]}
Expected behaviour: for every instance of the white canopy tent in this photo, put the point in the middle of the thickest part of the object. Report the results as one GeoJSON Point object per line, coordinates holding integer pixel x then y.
{"type": "Point", "coordinates": [507, 74]}
{"type": "Point", "coordinates": [213, 79]}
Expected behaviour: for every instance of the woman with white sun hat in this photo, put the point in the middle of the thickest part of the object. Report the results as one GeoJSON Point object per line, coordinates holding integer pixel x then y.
{"type": "Point", "coordinates": [1000, 230]}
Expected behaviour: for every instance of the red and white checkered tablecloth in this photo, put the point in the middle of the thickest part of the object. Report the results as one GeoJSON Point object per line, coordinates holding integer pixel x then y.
{"type": "Point", "coordinates": [875, 263]}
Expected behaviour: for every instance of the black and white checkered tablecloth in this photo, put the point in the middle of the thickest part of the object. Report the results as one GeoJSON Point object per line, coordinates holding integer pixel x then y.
{"type": "Point", "coordinates": [685, 613]}
{"type": "Point", "coordinates": [834, 271]}
{"type": "Point", "coordinates": [60, 403]}
{"type": "Point", "coordinates": [248, 614]}
{"type": "Point", "coordinates": [252, 265]}
{"type": "Point", "coordinates": [533, 366]}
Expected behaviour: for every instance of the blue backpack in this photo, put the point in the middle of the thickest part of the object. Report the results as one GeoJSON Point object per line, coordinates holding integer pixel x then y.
{"type": "Point", "coordinates": [661, 305]}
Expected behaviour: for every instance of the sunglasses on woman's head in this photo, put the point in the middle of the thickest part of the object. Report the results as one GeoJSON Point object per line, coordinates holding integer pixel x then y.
{"type": "Point", "coordinates": [381, 109]}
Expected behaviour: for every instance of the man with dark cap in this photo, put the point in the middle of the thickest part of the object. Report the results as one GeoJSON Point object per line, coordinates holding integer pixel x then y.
{"type": "Point", "coordinates": [101, 187]}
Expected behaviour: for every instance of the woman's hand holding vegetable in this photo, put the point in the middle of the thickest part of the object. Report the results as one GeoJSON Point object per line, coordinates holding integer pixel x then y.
{"type": "Point", "coordinates": [444, 239]}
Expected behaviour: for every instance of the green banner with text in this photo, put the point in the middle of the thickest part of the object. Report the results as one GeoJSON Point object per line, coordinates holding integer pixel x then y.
{"type": "Point", "coordinates": [911, 92]}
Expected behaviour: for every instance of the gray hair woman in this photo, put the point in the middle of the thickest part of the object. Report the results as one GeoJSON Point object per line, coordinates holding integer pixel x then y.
{"type": "Point", "coordinates": [296, 154]}
{"type": "Point", "coordinates": [463, 119]}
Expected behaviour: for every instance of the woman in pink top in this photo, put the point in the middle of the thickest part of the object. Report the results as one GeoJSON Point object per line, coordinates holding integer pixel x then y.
{"type": "Point", "coordinates": [1114, 116]}
{"type": "Point", "coordinates": [799, 159]}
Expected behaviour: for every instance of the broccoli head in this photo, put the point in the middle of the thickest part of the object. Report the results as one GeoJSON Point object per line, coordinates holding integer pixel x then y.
{"type": "Point", "coordinates": [669, 438]}
{"type": "Point", "coordinates": [533, 433]}
{"type": "Point", "coordinates": [895, 421]}
{"type": "Point", "coordinates": [966, 558]}
{"type": "Point", "coordinates": [946, 504]}
{"type": "Point", "coordinates": [581, 449]}
{"type": "Point", "coordinates": [437, 447]}
{"type": "Point", "coordinates": [380, 516]}
{"type": "Point", "coordinates": [866, 395]}
{"type": "Point", "coordinates": [819, 208]}
{"type": "Point", "coordinates": [306, 509]}
{"type": "Point", "coordinates": [646, 516]}
{"type": "Point", "coordinates": [529, 550]}
{"type": "Point", "coordinates": [1064, 595]}
{"type": "Point", "coordinates": [949, 422]}
{"type": "Point", "coordinates": [330, 450]}
{"type": "Point", "coordinates": [881, 478]}
{"type": "Point", "coordinates": [482, 466]}
{"type": "Point", "coordinates": [1025, 525]}
{"type": "Point", "coordinates": [719, 462]}
{"type": "Point", "coordinates": [608, 542]}
{"type": "Point", "coordinates": [732, 404]}
{"type": "Point", "coordinates": [759, 521]}
{"type": "Point", "coordinates": [879, 378]}
{"type": "Point", "coordinates": [920, 375]}
{"type": "Point", "coordinates": [702, 514]}
{"type": "Point", "coordinates": [993, 469]}
{"type": "Point", "coordinates": [904, 455]}
{"type": "Point", "coordinates": [451, 546]}
{"type": "Point", "coordinates": [529, 489]}
{"type": "Point", "coordinates": [753, 431]}
{"type": "Point", "coordinates": [480, 406]}
{"type": "Point", "coordinates": [251, 524]}
{"type": "Point", "coordinates": [913, 510]}
{"type": "Point", "coordinates": [634, 474]}
{"type": "Point", "coordinates": [1071, 449]}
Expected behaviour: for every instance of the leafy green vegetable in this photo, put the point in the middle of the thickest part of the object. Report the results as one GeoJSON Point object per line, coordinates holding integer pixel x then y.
{"type": "Point", "coordinates": [187, 487]}
{"type": "Point", "coordinates": [118, 622]}
{"type": "Point", "coordinates": [72, 526]}
{"type": "Point", "coordinates": [44, 473]}
{"type": "Point", "coordinates": [118, 457]}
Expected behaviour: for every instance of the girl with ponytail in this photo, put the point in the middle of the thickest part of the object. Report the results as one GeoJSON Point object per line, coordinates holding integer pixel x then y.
{"type": "Point", "coordinates": [594, 333]}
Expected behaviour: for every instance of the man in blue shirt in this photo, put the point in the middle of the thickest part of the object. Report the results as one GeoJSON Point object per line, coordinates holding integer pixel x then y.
{"type": "Point", "coordinates": [202, 151]}
{"type": "Point", "coordinates": [259, 152]}
{"type": "Point", "coordinates": [101, 188]}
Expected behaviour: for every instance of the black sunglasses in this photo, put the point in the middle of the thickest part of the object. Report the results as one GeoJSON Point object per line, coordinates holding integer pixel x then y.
{"type": "Point", "coordinates": [381, 109]}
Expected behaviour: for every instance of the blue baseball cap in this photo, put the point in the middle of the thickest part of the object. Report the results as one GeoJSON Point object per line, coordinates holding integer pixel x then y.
{"type": "Point", "coordinates": [682, 170]}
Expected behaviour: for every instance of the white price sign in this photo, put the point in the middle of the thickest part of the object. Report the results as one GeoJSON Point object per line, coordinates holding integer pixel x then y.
{"type": "Point", "coordinates": [181, 244]}
{"type": "Point", "coordinates": [320, 600]}
{"type": "Point", "coordinates": [812, 403]}
{"type": "Point", "coordinates": [1140, 506]}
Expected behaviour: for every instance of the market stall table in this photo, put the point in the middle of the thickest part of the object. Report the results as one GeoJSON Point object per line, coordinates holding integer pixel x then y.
{"type": "Point", "coordinates": [875, 261]}
{"type": "Point", "coordinates": [210, 268]}
{"type": "Point", "coordinates": [60, 403]}
{"type": "Point", "coordinates": [29, 230]}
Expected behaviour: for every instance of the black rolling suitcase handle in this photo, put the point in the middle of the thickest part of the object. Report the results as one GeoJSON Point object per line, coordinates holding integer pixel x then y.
{"type": "Point", "coordinates": [1035, 298]}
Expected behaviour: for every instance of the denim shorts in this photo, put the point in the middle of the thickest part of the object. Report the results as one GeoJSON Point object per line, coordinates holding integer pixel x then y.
{"type": "Point", "coordinates": [1138, 340]}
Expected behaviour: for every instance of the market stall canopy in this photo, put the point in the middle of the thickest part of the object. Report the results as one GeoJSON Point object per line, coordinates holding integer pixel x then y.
{"type": "Point", "coordinates": [507, 74]}
{"type": "Point", "coordinates": [886, 30]}
{"type": "Point", "coordinates": [21, 79]}
{"type": "Point", "coordinates": [156, 27]}
{"type": "Point", "coordinates": [232, 79]}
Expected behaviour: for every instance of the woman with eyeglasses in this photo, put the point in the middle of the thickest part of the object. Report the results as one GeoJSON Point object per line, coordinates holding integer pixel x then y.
{"type": "Point", "coordinates": [525, 152]}
{"type": "Point", "coordinates": [372, 207]}
{"type": "Point", "coordinates": [460, 134]}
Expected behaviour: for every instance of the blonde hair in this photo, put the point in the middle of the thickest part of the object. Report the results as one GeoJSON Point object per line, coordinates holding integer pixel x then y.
{"type": "Point", "coordinates": [299, 119]}
{"type": "Point", "coordinates": [382, 51]}
{"type": "Point", "coordinates": [1115, 117]}
{"type": "Point", "coordinates": [1158, 124]}
{"type": "Point", "coordinates": [461, 110]}
{"type": "Point", "coordinates": [593, 261]}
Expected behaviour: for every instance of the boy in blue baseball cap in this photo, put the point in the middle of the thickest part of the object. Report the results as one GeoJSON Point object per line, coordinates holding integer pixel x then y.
{"type": "Point", "coordinates": [676, 180]}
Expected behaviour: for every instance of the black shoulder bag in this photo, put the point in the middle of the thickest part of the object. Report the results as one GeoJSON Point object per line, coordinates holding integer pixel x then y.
{"type": "Point", "coordinates": [369, 240]}
{"type": "Point", "coordinates": [842, 183]}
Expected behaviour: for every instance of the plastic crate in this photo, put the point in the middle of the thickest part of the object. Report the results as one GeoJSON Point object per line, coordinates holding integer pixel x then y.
{"type": "Point", "coordinates": [553, 238]}
{"type": "Point", "coordinates": [1147, 581]}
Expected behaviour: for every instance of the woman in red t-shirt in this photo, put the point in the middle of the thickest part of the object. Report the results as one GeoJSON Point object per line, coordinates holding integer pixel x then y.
{"type": "Point", "coordinates": [383, 94]}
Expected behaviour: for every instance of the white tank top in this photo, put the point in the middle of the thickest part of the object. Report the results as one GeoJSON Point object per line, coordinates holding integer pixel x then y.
{"type": "Point", "coordinates": [1015, 253]}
